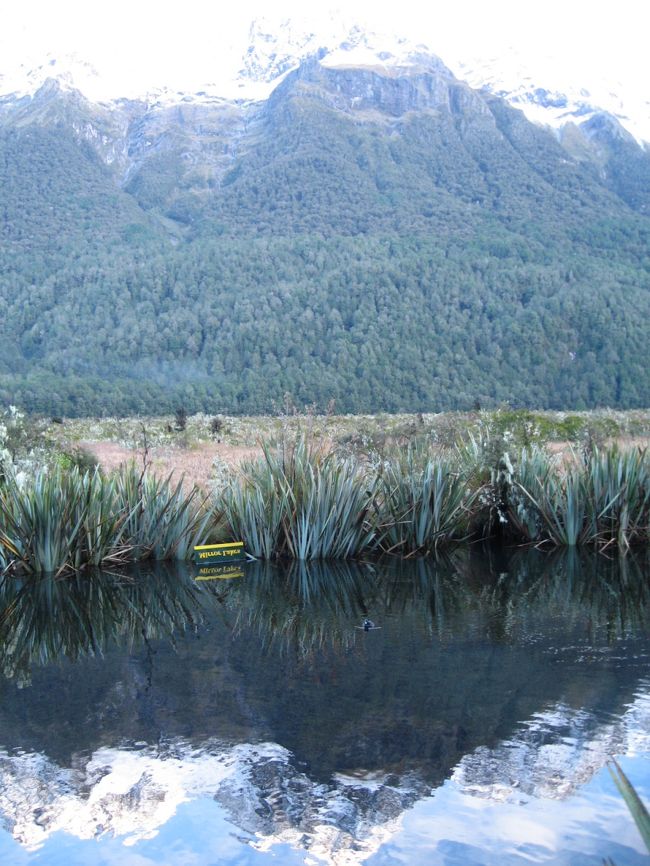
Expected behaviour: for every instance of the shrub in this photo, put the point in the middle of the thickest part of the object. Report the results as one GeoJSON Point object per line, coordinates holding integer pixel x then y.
{"type": "Point", "coordinates": [180, 419]}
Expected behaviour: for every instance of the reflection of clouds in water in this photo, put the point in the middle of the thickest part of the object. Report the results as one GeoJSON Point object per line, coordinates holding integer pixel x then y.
{"type": "Point", "coordinates": [123, 793]}
{"type": "Point", "coordinates": [453, 827]}
{"type": "Point", "coordinates": [179, 805]}
{"type": "Point", "coordinates": [131, 797]}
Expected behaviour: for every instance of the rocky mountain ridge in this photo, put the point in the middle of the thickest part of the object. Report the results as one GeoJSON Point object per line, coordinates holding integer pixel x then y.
{"type": "Point", "coordinates": [204, 134]}
{"type": "Point", "coordinates": [276, 48]}
{"type": "Point", "coordinates": [143, 212]}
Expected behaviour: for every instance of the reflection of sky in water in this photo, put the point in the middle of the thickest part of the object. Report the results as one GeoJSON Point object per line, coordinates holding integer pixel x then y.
{"type": "Point", "coordinates": [454, 828]}
{"type": "Point", "coordinates": [198, 834]}
{"type": "Point", "coordinates": [472, 728]}
{"type": "Point", "coordinates": [450, 828]}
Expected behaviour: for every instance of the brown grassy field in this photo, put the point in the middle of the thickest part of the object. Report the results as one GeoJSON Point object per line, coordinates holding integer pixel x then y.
{"type": "Point", "coordinates": [204, 451]}
{"type": "Point", "coordinates": [196, 464]}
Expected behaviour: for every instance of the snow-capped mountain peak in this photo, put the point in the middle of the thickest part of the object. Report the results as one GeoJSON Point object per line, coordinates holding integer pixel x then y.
{"type": "Point", "coordinates": [277, 48]}
{"type": "Point", "coordinates": [274, 49]}
{"type": "Point", "coordinates": [548, 92]}
{"type": "Point", "coordinates": [30, 74]}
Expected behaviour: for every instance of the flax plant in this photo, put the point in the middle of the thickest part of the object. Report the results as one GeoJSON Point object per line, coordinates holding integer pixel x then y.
{"type": "Point", "coordinates": [558, 497]}
{"type": "Point", "coordinates": [424, 502]}
{"type": "Point", "coordinates": [66, 520]}
{"type": "Point", "coordinates": [300, 501]}
{"type": "Point", "coordinates": [62, 520]}
{"type": "Point", "coordinates": [618, 484]}
{"type": "Point", "coordinates": [602, 501]}
{"type": "Point", "coordinates": [161, 521]}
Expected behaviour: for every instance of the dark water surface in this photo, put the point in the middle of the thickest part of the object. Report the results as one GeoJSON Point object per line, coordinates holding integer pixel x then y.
{"type": "Point", "coordinates": [153, 718]}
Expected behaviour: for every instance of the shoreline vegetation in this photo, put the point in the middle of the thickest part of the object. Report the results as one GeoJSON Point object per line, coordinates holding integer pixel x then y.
{"type": "Point", "coordinates": [427, 483]}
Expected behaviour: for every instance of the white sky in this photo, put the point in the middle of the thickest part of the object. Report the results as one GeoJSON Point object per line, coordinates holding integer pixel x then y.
{"type": "Point", "coordinates": [188, 42]}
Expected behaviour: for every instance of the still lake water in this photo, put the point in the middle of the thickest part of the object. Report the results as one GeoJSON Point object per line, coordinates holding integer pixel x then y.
{"type": "Point", "coordinates": [156, 719]}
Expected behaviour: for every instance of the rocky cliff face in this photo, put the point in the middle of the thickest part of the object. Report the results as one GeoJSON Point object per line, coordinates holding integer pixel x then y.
{"type": "Point", "coordinates": [173, 145]}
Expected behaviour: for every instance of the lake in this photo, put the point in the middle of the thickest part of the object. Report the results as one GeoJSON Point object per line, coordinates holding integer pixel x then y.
{"type": "Point", "coordinates": [149, 717]}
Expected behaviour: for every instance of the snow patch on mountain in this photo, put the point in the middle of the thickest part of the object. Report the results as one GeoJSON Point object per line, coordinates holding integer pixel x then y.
{"type": "Point", "coordinates": [554, 753]}
{"type": "Point", "coordinates": [549, 94]}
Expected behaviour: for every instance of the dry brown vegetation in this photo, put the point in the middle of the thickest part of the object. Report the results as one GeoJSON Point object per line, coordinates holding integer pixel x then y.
{"type": "Point", "coordinates": [195, 464]}
{"type": "Point", "coordinates": [201, 454]}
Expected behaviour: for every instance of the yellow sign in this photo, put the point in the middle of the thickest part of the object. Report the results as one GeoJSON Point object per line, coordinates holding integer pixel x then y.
{"type": "Point", "coordinates": [205, 553]}
{"type": "Point", "coordinates": [239, 544]}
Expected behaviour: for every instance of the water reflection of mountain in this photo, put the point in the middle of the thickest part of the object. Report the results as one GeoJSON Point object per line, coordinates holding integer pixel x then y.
{"type": "Point", "coordinates": [469, 649]}
{"type": "Point", "coordinates": [132, 793]}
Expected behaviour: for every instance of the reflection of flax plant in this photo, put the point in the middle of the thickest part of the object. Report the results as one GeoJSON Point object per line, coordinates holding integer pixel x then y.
{"type": "Point", "coordinates": [44, 618]}
{"type": "Point", "coordinates": [578, 585]}
{"type": "Point", "coordinates": [308, 607]}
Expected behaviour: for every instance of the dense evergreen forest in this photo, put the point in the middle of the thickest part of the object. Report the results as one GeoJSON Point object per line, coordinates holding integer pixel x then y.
{"type": "Point", "coordinates": [406, 257]}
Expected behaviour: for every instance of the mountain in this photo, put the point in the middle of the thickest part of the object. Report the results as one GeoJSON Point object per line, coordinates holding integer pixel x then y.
{"type": "Point", "coordinates": [422, 242]}
{"type": "Point", "coordinates": [607, 129]}
{"type": "Point", "coordinates": [549, 94]}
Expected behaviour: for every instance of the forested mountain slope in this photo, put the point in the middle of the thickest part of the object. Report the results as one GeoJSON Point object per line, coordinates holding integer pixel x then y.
{"type": "Point", "coordinates": [390, 240]}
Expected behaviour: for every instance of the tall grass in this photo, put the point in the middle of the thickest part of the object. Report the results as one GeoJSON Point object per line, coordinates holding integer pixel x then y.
{"type": "Point", "coordinates": [300, 501]}
{"type": "Point", "coordinates": [66, 520]}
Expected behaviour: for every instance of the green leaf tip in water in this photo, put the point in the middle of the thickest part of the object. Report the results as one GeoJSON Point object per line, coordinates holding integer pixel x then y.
{"type": "Point", "coordinates": [632, 800]}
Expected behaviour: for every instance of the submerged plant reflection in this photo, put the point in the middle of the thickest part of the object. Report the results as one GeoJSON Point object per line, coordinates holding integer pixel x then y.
{"type": "Point", "coordinates": [310, 606]}
{"type": "Point", "coordinates": [45, 618]}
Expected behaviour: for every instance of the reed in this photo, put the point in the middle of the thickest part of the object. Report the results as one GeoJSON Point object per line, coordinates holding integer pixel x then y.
{"type": "Point", "coordinates": [633, 802]}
